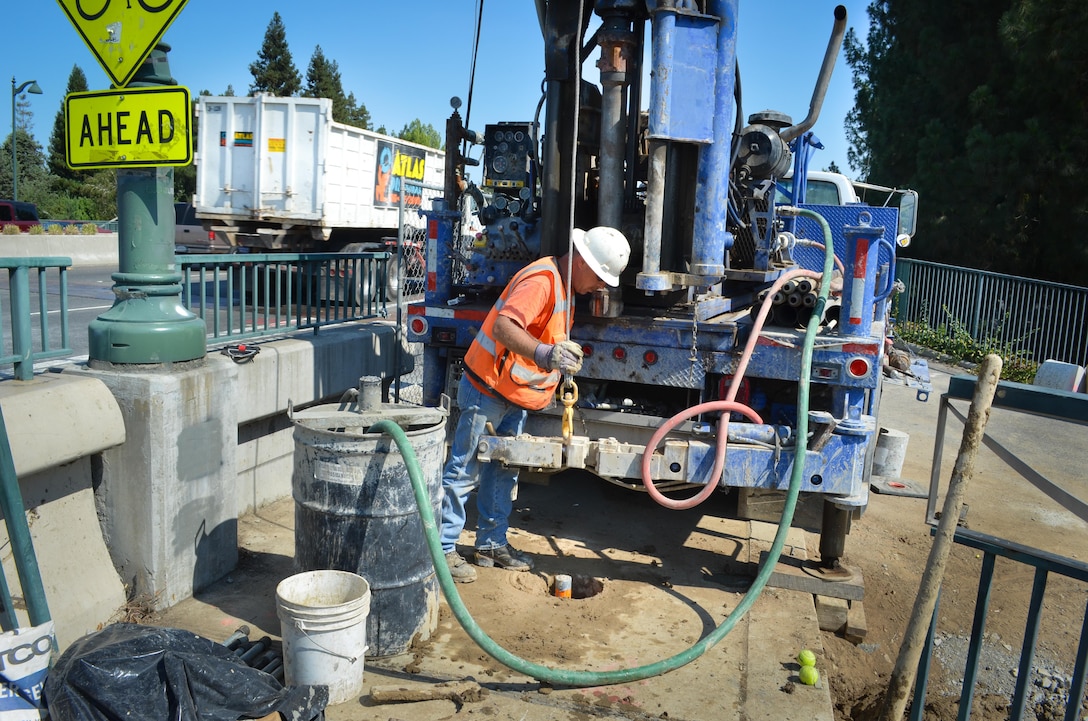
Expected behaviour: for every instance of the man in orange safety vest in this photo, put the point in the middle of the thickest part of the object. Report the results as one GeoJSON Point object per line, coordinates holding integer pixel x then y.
{"type": "Point", "coordinates": [513, 366]}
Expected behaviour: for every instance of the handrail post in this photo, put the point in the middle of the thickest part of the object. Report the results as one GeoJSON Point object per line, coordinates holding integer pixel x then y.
{"type": "Point", "coordinates": [21, 337]}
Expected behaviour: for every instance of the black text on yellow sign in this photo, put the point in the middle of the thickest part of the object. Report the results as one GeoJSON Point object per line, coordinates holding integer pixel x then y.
{"type": "Point", "coordinates": [130, 127]}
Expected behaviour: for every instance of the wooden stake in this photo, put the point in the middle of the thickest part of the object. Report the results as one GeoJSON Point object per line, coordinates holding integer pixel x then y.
{"type": "Point", "coordinates": [906, 666]}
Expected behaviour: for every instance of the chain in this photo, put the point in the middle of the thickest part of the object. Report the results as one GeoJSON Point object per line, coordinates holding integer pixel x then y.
{"type": "Point", "coordinates": [694, 335]}
{"type": "Point", "coordinates": [696, 362]}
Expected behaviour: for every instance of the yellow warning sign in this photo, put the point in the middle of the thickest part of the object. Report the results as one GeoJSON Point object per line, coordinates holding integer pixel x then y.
{"type": "Point", "coordinates": [121, 33]}
{"type": "Point", "coordinates": [129, 127]}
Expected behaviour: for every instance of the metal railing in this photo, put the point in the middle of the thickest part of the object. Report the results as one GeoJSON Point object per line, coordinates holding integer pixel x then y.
{"type": "Point", "coordinates": [1040, 319]}
{"type": "Point", "coordinates": [252, 295]}
{"type": "Point", "coordinates": [1044, 564]}
{"type": "Point", "coordinates": [19, 349]}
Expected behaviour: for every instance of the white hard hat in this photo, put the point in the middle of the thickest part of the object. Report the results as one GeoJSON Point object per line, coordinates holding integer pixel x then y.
{"type": "Point", "coordinates": [605, 250]}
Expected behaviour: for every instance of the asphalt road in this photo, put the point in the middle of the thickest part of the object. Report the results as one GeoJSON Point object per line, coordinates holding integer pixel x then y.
{"type": "Point", "coordinates": [90, 293]}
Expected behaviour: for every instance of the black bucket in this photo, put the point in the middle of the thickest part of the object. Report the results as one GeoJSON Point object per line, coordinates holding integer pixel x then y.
{"type": "Point", "coordinates": [355, 511]}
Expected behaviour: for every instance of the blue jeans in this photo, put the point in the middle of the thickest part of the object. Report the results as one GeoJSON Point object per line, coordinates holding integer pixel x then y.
{"type": "Point", "coordinates": [464, 472]}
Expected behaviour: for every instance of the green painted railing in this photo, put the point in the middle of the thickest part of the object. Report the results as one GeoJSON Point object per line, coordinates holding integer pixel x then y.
{"type": "Point", "coordinates": [22, 342]}
{"type": "Point", "coordinates": [250, 295]}
{"type": "Point", "coordinates": [1041, 319]}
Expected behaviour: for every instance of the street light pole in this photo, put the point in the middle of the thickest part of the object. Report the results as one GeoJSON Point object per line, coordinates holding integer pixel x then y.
{"type": "Point", "coordinates": [36, 90]}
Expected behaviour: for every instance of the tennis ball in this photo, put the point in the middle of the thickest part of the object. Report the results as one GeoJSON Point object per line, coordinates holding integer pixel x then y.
{"type": "Point", "coordinates": [809, 675]}
{"type": "Point", "coordinates": [806, 658]}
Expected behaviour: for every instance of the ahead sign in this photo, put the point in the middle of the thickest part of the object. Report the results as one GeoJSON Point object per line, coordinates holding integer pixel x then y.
{"type": "Point", "coordinates": [130, 127]}
{"type": "Point", "coordinates": [121, 33]}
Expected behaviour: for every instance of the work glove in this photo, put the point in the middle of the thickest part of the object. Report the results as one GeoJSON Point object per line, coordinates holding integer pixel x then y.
{"type": "Point", "coordinates": [565, 356]}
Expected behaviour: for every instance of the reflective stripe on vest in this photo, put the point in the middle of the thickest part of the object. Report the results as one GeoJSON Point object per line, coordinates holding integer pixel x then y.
{"type": "Point", "coordinates": [516, 378]}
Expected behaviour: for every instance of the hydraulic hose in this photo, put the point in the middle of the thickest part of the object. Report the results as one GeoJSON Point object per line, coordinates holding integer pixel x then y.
{"type": "Point", "coordinates": [722, 406]}
{"type": "Point", "coordinates": [600, 678]}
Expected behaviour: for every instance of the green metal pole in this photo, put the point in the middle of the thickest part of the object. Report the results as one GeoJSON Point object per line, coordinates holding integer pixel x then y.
{"type": "Point", "coordinates": [148, 322]}
{"type": "Point", "coordinates": [22, 546]}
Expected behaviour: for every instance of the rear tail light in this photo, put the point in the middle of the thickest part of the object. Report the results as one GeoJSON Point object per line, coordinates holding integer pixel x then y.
{"type": "Point", "coordinates": [858, 367]}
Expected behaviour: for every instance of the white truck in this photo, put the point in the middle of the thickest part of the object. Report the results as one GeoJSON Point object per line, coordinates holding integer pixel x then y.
{"type": "Point", "coordinates": [279, 174]}
{"type": "Point", "coordinates": [824, 188]}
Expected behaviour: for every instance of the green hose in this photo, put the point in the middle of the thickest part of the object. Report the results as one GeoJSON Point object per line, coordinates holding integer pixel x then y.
{"type": "Point", "coordinates": [562, 677]}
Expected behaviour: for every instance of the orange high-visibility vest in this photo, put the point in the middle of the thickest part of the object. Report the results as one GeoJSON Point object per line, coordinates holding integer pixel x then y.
{"type": "Point", "coordinates": [516, 378]}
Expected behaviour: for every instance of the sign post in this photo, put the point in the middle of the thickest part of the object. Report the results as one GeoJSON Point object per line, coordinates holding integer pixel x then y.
{"type": "Point", "coordinates": [147, 323]}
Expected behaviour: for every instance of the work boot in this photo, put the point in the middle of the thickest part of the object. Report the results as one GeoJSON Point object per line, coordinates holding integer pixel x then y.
{"type": "Point", "coordinates": [459, 568]}
{"type": "Point", "coordinates": [503, 557]}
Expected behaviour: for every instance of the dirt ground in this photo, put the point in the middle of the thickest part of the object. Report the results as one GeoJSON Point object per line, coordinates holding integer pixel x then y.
{"type": "Point", "coordinates": [891, 545]}
{"type": "Point", "coordinates": [669, 578]}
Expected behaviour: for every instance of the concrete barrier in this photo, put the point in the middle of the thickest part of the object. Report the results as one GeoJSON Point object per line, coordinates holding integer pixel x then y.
{"type": "Point", "coordinates": [98, 249]}
{"type": "Point", "coordinates": [152, 519]}
{"type": "Point", "coordinates": [56, 425]}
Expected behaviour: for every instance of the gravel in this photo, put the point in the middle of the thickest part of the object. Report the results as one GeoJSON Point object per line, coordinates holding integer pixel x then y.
{"type": "Point", "coordinates": [1048, 692]}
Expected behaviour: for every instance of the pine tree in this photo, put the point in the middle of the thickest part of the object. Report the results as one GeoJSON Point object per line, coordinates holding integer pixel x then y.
{"type": "Point", "coordinates": [358, 115]}
{"type": "Point", "coordinates": [274, 71]}
{"type": "Point", "coordinates": [31, 159]}
{"type": "Point", "coordinates": [323, 81]}
{"type": "Point", "coordinates": [58, 166]}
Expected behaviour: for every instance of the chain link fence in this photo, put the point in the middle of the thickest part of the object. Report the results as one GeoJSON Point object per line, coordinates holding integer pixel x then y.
{"type": "Point", "coordinates": [411, 258]}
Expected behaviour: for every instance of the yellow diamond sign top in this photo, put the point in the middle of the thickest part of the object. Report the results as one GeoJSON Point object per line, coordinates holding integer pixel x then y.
{"type": "Point", "coordinates": [121, 33]}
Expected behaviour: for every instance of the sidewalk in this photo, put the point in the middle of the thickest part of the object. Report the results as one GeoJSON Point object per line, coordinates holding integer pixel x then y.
{"type": "Point", "coordinates": [669, 578]}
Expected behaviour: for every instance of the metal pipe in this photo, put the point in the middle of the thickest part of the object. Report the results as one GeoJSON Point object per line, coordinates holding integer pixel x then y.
{"type": "Point", "coordinates": [235, 638]}
{"type": "Point", "coordinates": [634, 104]}
{"type": "Point", "coordinates": [256, 649]}
{"type": "Point", "coordinates": [838, 30]}
{"type": "Point", "coordinates": [615, 42]}
{"type": "Point", "coordinates": [550, 195]}
{"type": "Point", "coordinates": [710, 237]}
{"type": "Point", "coordinates": [650, 278]}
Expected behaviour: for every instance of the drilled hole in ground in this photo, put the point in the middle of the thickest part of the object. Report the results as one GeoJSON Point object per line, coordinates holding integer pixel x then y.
{"type": "Point", "coordinates": [575, 586]}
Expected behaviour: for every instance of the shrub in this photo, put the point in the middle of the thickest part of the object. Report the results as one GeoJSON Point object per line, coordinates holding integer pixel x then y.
{"type": "Point", "coordinates": [10, 230]}
{"type": "Point", "coordinates": [956, 341]}
{"type": "Point", "coordinates": [88, 229]}
{"type": "Point", "coordinates": [71, 230]}
{"type": "Point", "coordinates": [36, 230]}
{"type": "Point", "coordinates": [52, 229]}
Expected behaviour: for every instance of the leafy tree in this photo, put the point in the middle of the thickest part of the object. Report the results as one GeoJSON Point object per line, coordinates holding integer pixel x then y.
{"type": "Point", "coordinates": [58, 166]}
{"type": "Point", "coordinates": [417, 132]}
{"type": "Point", "coordinates": [274, 71]}
{"type": "Point", "coordinates": [978, 105]}
{"type": "Point", "coordinates": [833, 168]}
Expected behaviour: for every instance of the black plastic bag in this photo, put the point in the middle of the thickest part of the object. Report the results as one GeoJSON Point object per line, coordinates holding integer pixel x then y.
{"type": "Point", "coordinates": [127, 671]}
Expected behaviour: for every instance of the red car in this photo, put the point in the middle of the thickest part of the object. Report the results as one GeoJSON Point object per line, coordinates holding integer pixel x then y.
{"type": "Point", "coordinates": [23, 215]}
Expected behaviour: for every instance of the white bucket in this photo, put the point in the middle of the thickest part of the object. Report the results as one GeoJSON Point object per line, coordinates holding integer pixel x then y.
{"type": "Point", "coordinates": [323, 625]}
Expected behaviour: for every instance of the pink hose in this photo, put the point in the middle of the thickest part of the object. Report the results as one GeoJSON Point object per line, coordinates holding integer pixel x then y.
{"type": "Point", "coordinates": [729, 404]}
{"type": "Point", "coordinates": [719, 455]}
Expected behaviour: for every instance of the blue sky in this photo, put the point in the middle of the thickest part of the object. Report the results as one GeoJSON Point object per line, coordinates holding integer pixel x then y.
{"type": "Point", "coordinates": [405, 60]}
